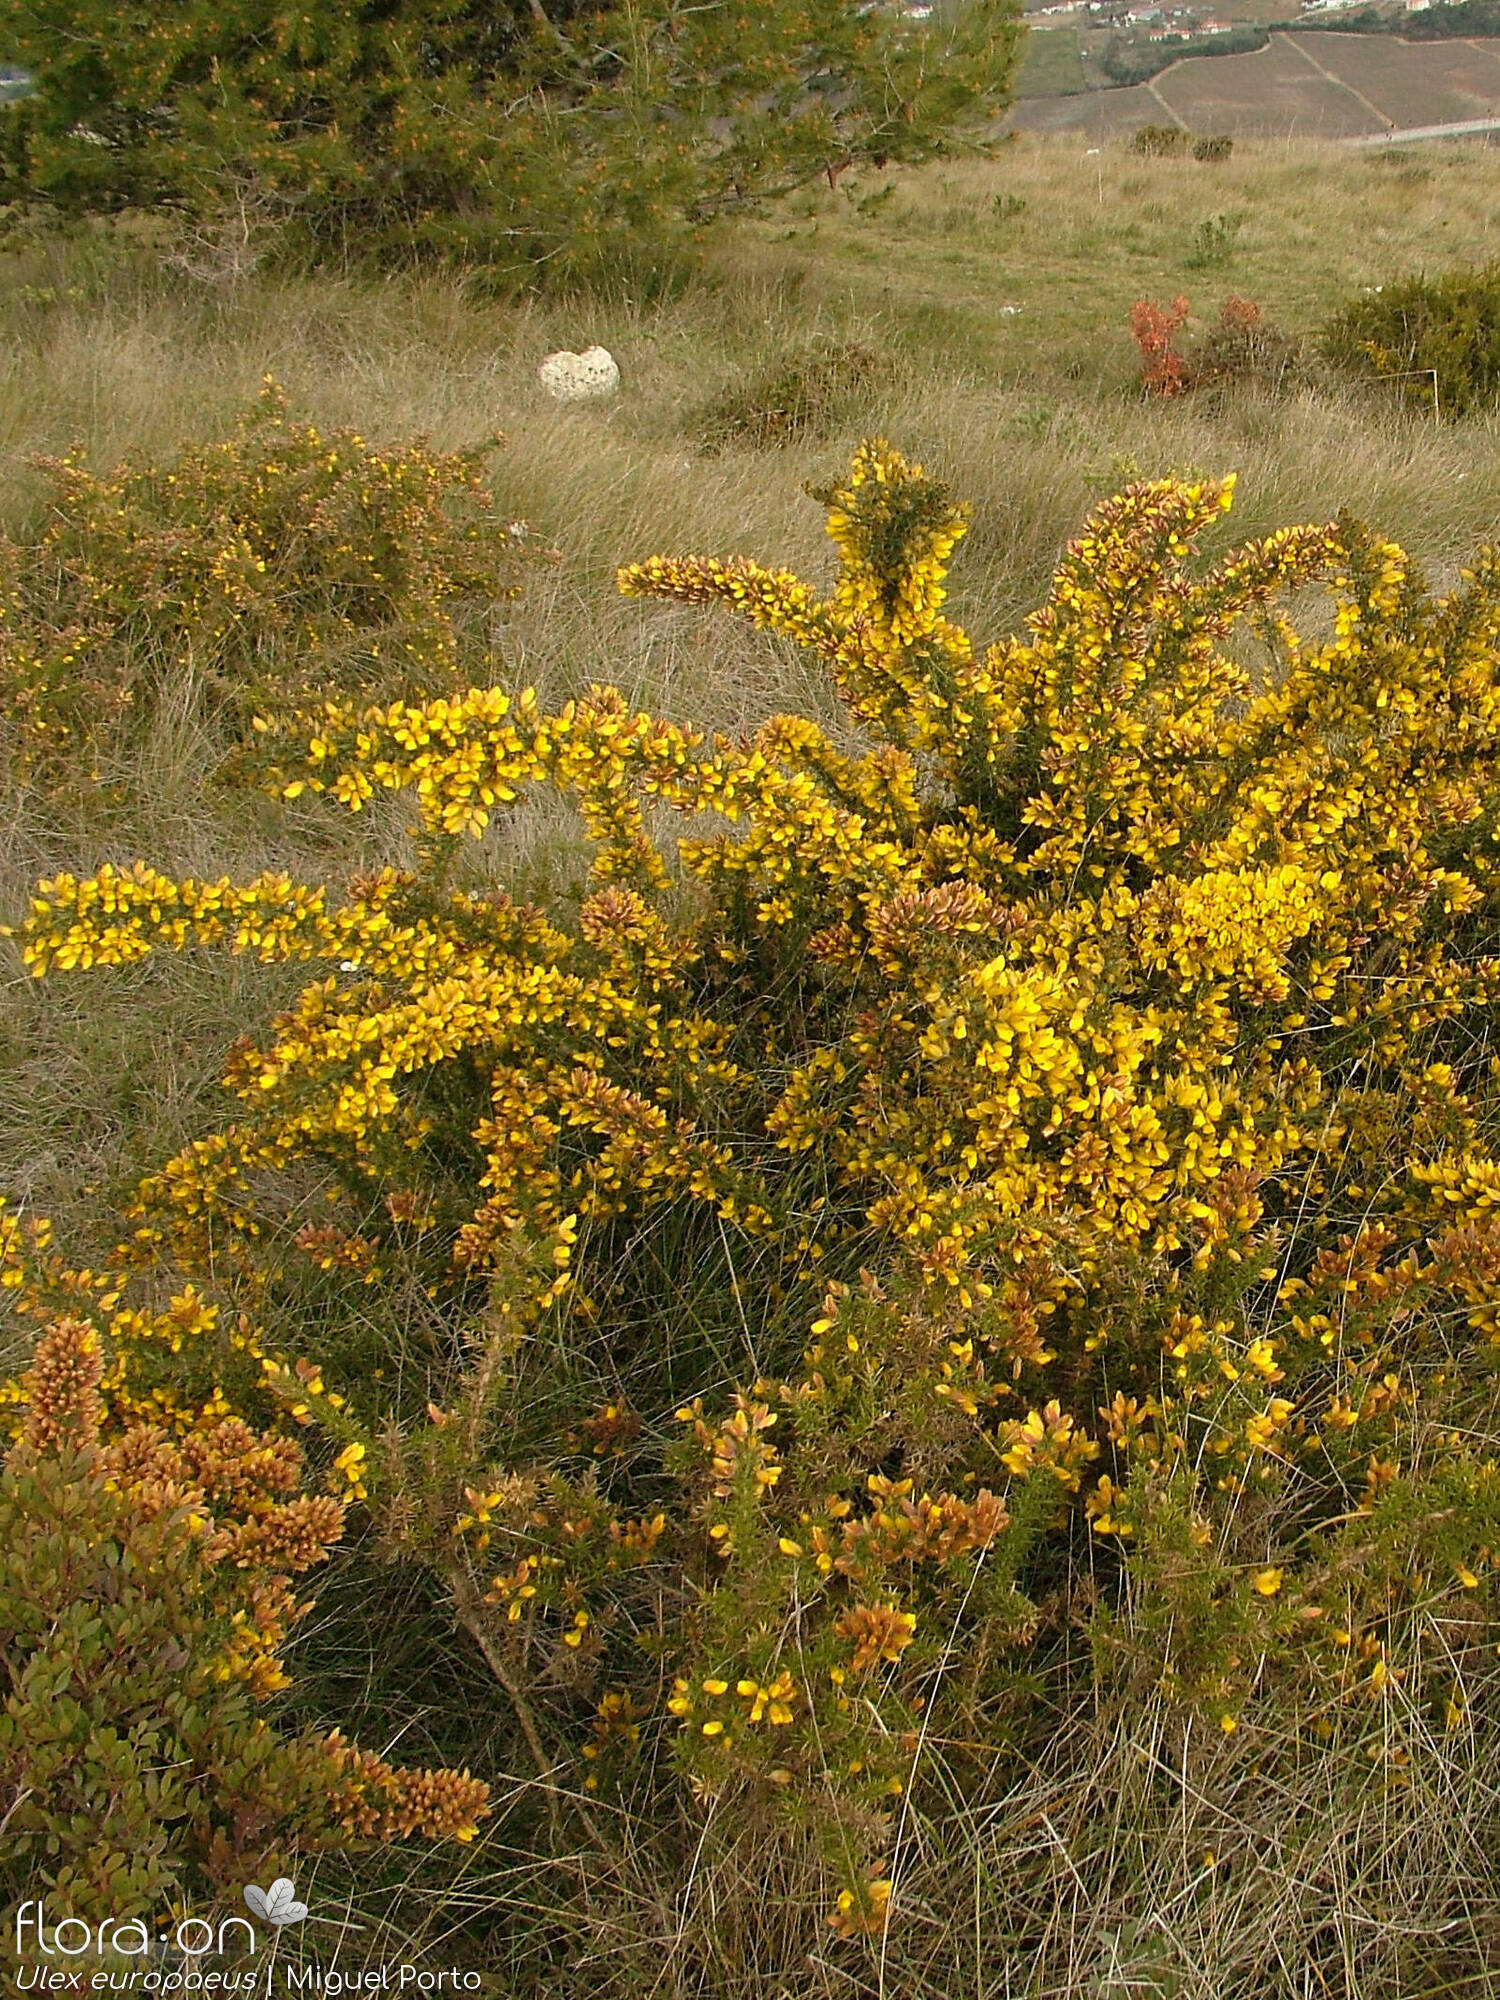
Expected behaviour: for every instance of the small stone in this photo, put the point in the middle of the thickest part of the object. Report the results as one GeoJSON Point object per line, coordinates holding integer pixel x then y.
{"type": "Point", "coordinates": [580, 378]}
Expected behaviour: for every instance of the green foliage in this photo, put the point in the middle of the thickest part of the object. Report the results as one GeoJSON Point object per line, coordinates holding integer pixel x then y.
{"type": "Point", "coordinates": [145, 1586]}
{"type": "Point", "coordinates": [528, 138]}
{"type": "Point", "coordinates": [1414, 329]}
{"type": "Point", "coordinates": [1172, 141]}
{"type": "Point", "coordinates": [1128, 62]}
{"type": "Point", "coordinates": [1161, 141]}
{"type": "Point", "coordinates": [802, 394]}
{"type": "Point", "coordinates": [1444, 20]}
{"type": "Point", "coordinates": [274, 563]}
{"type": "Point", "coordinates": [1214, 241]}
{"type": "Point", "coordinates": [129, 1759]}
{"type": "Point", "coordinates": [1447, 19]}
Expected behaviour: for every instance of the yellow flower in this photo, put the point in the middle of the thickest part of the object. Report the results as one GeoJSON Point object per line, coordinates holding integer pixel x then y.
{"type": "Point", "coordinates": [350, 1463]}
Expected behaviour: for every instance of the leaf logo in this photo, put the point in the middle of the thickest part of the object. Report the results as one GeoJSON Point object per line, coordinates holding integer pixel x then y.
{"type": "Point", "coordinates": [277, 1905]}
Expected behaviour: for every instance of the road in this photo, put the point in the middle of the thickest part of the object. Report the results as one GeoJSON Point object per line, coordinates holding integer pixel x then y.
{"type": "Point", "coordinates": [1408, 134]}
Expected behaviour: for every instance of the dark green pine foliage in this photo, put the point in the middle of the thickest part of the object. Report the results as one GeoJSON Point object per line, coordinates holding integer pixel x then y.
{"type": "Point", "coordinates": [524, 134]}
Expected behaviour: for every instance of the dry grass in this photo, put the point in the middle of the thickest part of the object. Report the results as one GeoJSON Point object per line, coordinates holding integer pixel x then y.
{"type": "Point", "coordinates": [1137, 1857]}
{"type": "Point", "coordinates": [1085, 1877]}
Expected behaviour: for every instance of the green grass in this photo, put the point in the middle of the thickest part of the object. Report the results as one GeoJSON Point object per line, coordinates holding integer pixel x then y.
{"type": "Point", "coordinates": [1052, 65]}
{"type": "Point", "coordinates": [1085, 1878]}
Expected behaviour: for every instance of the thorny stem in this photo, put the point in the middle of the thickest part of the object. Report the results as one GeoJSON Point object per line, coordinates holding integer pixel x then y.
{"type": "Point", "coordinates": [471, 1617]}
{"type": "Point", "coordinates": [466, 1603]}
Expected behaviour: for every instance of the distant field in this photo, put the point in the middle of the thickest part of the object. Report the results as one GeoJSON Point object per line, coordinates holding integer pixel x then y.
{"type": "Point", "coordinates": [1270, 90]}
{"type": "Point", "coordinates": [1099, 114]}
{"type": "Point", "coordinates": [1052, 65]}
{"type": "Point", "coordinates": [1327, 86]}
{"type": "Point", "coordinates": [1451, 81]}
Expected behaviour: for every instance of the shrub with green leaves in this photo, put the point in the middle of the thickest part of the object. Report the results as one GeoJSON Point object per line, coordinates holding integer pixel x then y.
{"type": "Point", "coordinates": [1214, 240]}
{"type": "Point", "coordinates": [1161, 141]}
{"type": "Point", "coordinates": [270, 564]}
{"type": "Point", "coordinates": [802, 394]}
{"type": "Point", "coordinates": [1436, 341]}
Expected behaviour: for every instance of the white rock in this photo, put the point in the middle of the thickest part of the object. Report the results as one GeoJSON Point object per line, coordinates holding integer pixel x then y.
{"type": "Point", "coordinates": [580, 378]}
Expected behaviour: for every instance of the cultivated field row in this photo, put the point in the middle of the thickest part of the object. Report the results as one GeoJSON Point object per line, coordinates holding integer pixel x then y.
{"type": "Point", "coordinates": [1319, 85]}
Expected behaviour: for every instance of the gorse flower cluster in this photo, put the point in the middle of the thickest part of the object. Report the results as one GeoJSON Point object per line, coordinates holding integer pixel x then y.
{"type": "Point", "coordinates": [279, 562]}
{"type": "Point", "coordinates": [1024, 1160]}
{"type": "Point", "coordinates": [147, 1588]}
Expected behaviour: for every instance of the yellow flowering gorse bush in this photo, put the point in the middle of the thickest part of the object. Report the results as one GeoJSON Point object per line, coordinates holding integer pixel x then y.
{"type": "Point", "coordinates": [280, 561]}
{"type": "Point", "coordinates": [1023, 1159]}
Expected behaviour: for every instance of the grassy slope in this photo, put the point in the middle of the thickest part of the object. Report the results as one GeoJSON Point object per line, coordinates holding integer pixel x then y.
{"type": "Point", "coordinates": [1031, 416]}
{"type": "Point", "coordinates": [1052, 65]}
